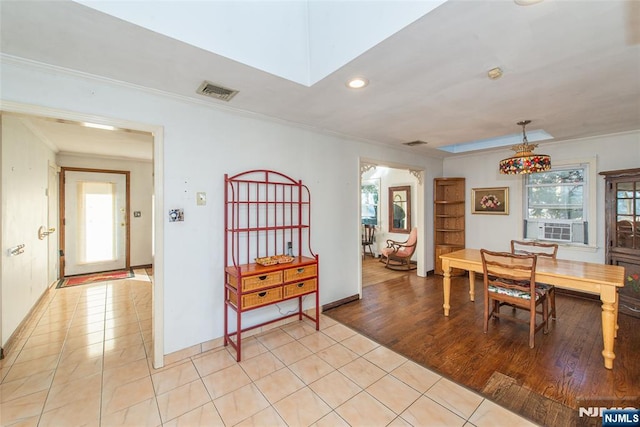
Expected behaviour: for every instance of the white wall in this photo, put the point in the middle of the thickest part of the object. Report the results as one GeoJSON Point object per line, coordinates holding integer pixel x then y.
{"type": "Point", "coordinates": [612, 152]}
{"type": "Point", "coordinates": [25, 161]}
{"type": "Point", "coordinates": [141, 193]}
{"type": "Point", "coordinates": [201, 144]}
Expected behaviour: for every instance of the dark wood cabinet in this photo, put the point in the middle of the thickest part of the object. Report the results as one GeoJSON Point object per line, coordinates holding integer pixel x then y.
{"type": "Point", "coordinates": [622, 208]}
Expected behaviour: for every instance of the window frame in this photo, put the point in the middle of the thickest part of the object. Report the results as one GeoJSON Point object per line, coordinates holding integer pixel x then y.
{"type": "Point", "coordinates": [590, 213]}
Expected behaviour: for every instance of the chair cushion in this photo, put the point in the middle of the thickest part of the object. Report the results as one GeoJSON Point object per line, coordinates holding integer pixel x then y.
{"type": "Point", "coordinates": [404, 252]}
{"type": "Point", "coordinates": [515, 292]}
{"type": "Point", "coordinates": [544, 286]}
{"type": "Point", "coordinates": [413, 237]}
{"type": "Point", "coordinates": [386, 251]}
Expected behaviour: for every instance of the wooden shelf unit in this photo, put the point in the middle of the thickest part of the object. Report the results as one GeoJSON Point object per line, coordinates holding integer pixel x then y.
{"type": "Point", "coordinates": [448, 219]}
{"type": "Point", "coordinates": [266, 214]}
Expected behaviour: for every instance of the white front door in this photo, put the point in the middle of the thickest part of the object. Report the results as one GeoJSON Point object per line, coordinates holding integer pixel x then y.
{"type": "Point", "coordinates": [95, 222]}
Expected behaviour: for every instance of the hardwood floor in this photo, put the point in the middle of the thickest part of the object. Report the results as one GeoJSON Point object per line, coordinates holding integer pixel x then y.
{"type": "Point", "coordinates": [546, 384]}
{"type": "Point", "coordinates": [373, 272]}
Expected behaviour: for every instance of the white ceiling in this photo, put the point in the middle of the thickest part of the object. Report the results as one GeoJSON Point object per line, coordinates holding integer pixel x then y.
{"type": "Point", "coordinates": [572, 67]}
{"type": "Point", "coordinates": [303, 41]}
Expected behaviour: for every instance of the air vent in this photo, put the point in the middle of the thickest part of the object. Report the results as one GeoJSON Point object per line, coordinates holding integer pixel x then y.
{"type": "Point", "coordinates": [414, 143]}
{"type": "Point", "coordinates": [216, 91]}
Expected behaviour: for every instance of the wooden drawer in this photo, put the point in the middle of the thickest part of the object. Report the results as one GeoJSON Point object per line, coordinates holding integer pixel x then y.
{"type": "Point", "coordinates": [255, 299]}
{"type": "Point", "coordinates": [250, 283]}
{"type": "Point", "coordinates": [299, 273]}
{"type": "Point", "coordinates": [300, 288]}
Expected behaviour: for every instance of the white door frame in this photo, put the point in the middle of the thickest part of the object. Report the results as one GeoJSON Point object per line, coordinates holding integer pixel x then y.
{"type": "Point", "coordinates": [157, 328]}
{"type": "Point", "coordinates": [53, 258]}
{"type": "Point", "coordinates": [64, 231]}
{"type": "Point", "coordinates": [419, 173]}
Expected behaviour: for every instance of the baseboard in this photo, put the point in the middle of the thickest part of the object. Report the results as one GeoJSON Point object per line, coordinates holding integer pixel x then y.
{"type": "Point", "coordinates": [340, 302]}
{"type": "Point", "coordinates": [142, 266]}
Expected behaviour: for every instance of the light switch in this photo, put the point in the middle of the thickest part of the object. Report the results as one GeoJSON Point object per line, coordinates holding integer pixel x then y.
{"type": "Point", "coordinates": [201, 198]}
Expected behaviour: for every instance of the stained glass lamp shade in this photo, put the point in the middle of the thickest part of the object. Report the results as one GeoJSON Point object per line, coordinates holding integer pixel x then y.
{"type": "Point", "coordinates": [525, 161]}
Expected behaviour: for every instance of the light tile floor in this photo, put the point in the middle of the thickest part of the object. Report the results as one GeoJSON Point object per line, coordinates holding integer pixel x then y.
{"type": "Point", "coordinates": [84, 359]}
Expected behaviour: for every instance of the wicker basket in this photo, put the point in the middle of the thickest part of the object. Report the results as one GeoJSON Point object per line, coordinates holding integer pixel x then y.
{"type": "Point", "coordinates": [266, 261]}
{"type": "Point", "coordinates": [273, 260]}
{"type": "Point", "coordinates": [283, 259]}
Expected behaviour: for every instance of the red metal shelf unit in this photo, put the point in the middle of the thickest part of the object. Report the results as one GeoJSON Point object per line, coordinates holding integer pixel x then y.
{"type": "Point", "coordinates": [266, 213]}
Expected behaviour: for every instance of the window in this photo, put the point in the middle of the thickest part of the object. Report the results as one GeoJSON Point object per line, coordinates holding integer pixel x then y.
{"type": "Point", "coordinates": [370, 195]}
{"type": "Point", "coordinates": [556, 206]}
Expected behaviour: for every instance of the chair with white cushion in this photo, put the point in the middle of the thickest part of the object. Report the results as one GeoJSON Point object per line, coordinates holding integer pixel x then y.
{"type": "Point", "coordinates": [511, 279]}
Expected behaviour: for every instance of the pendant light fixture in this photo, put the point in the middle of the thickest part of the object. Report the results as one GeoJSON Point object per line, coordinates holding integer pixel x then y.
{"type": "Point", "coordinates": [524, 161]}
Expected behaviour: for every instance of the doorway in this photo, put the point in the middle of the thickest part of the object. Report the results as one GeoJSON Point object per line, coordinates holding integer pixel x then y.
{"type": "Point", "coordinates": [95, 221]}
{"type": "Point", "coordinates": [375, 182]}
{"type": "Point", "coordinates": [156, 133]}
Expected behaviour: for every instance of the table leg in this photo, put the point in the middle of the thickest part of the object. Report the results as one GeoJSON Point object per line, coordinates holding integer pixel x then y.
{"type": "Point", "coordinates": [472, 285]}
{"type": "Point", "coordinates": [447, 286]}
{"type": "Point", "coordinates": [609, 318]}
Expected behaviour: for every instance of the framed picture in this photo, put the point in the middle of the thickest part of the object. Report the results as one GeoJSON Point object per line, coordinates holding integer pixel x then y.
{"type": "Point", "coordinates": [491, 201]}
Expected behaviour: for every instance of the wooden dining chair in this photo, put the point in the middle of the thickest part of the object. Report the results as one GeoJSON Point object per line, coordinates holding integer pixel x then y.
{"type": "Point", "coordinates": [511, 279]}
{"type": "Point", "coordinates": [368, 236]}
{"type": "Point", "coordinates": [549, 250]}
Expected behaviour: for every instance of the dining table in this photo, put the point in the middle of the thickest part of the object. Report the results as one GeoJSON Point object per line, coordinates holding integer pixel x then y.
{"type": "Point", "coordinates": [600, 279]}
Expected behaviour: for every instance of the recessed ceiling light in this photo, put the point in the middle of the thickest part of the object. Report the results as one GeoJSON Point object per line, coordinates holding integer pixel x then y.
{"type": "Point", "coordinates": [97, 126]}
{"type": "Point", "coordinates": [357, 83]}
{"type": "Point", "coordinates": [526, 2]}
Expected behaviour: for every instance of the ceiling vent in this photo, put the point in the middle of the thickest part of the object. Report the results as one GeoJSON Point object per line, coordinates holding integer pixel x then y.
{"type": "Point", "coordinates": [414, 143]}
{"type": "Point", "coordinates": [216, 91]}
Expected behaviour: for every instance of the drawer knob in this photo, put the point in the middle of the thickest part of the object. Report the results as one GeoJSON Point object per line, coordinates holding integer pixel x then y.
{"type": "Point", "coordinates": [300, 270]}
{"type": "Point", "coordinates": [262, 294]}
{"type": "Point", "coordinates": [300, 284]}
{"type": "Point", "coordinates": [262, 277]}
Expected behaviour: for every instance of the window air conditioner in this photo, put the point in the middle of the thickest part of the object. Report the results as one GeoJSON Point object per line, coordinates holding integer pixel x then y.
{"type": "Point", "coordinates": [558, 231]}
